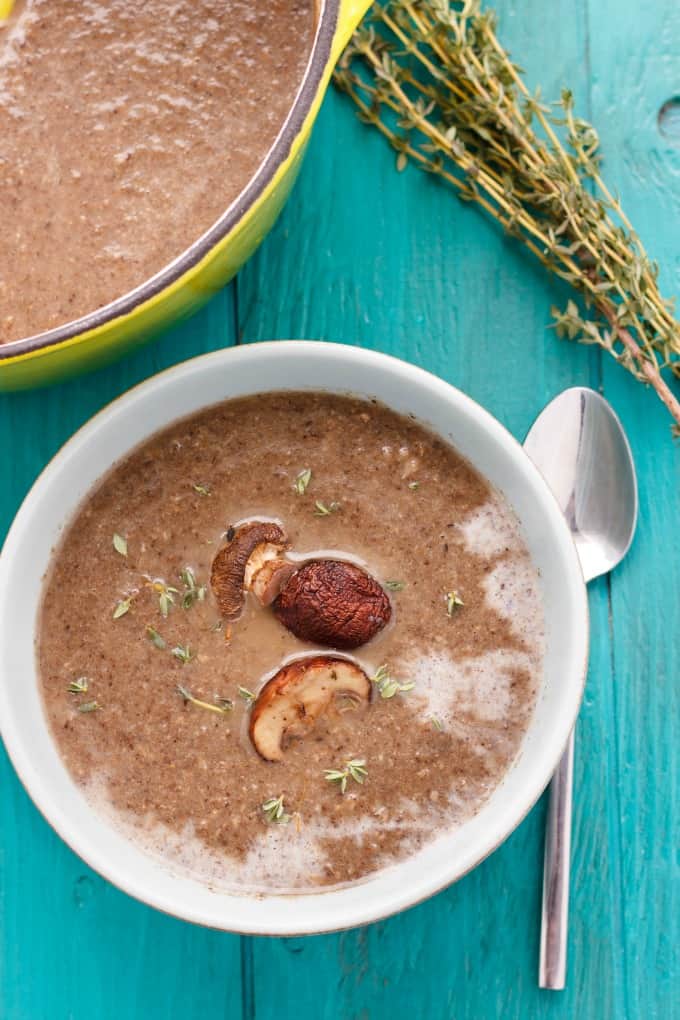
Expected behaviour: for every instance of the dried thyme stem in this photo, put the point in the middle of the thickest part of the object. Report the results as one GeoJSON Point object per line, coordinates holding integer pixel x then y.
{"type": "Point", "coordinates": [433, 78]}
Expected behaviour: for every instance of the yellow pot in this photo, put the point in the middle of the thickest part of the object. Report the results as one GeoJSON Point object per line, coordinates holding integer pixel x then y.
{"type": "Point", "coordinates": [202, 269]}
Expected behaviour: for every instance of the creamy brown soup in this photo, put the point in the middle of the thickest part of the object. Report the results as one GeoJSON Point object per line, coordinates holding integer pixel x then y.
{"type": "Point", "coordinates": [461, 655]}
{"type": "Point", "coordinates": [126, 129]}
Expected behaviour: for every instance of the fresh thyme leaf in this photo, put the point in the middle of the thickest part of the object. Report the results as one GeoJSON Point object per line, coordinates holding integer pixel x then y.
{"type": "Point", "coordinates": [217, 625]}
{"type": "Point", "coordinates": [453, 602]}
{"type": "Point", "coordinates": [354, 769]}
{"type": "Point", "coordinates": [224, 704]}
{"type": "Point", "coordinates": [388, 686]}
{"type": "Point", "coordinates": [324, 511]}
{"type": "Point", "coordinates": [221, 706]}
{"type": "Point", "coordinates": [414, 485]}
{"type": "Point", "coordinates": [122, 607]}
{"type": "Point", "coordinates": [337, 776]}
{"type": "Point", "coordinates": [79, 686]}
{"type": "Point", "coordinates": [202, 490]}
{"type": "Point", "coordinates": [395, 585]}
{"type": "Point", "coordinates": [437, 723]}
{"type": "Point", "coordinates": [88, 706]}
{"type": "Point", "coordinates": [120, 544]}
{"type": "Point", "coordinates": [193, 592]}
{"type": "Point", "coordinates": [187, 577]}
{"type": "Point", "coordinates": [357, 770]}
{"type": "Point", "coordinates": [166, 596]}
{"type": "Point", "coordinates": [381, 674]}
{"type": "Point", "coordinates": [302, 481]}
{"type": "Point", "coordinates": [155, 637]}
{"type": "Point", "coordinates": [247, 695]}
{"type": "Point", "coordinates": [274, 811]}
{"type": "Point", "coordinates": [183, 653]}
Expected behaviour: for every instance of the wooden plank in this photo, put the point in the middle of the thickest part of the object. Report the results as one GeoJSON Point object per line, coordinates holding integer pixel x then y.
{"type": "Point", "coordinates": [393, 262]}
{"type": "Point", "coordinates": [71, 946]}
{"type": "Point", "coordinates": [641, 53]}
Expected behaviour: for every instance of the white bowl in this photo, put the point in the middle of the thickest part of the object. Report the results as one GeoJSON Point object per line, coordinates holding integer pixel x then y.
{"type": "Point", "coordinates": [181, 391]}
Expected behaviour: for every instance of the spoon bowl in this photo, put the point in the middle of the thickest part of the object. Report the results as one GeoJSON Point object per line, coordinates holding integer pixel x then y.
{"type": "Point", "coordinates": [579, 446]}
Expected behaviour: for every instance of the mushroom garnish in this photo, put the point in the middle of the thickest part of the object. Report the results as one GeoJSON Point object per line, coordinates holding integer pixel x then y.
{"type": "Point", "coordinates": [270, 579]}
{"type": "Point", "coordinates": [290, 703]}
{"type": "Point", "coordinates": [236, 565]}
{"type": "Point", "coordinates": [332, 602]}
{"type": "Point", "coordinates": [324, 601]}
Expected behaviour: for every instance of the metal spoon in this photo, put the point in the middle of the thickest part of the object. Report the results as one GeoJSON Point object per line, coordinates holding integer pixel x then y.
{"type": "Point", "coordinates": [579, 446]}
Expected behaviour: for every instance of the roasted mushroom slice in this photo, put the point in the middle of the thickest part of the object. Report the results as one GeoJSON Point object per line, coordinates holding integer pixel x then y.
{"type": "Point", "coordinates": [250, 546]}
{"type": "Point", "coordinates": [290, 703]}
{"type": "Point", "coordinates": [267, 583]}
{"type": "Point", "coordinates": [331, 602]}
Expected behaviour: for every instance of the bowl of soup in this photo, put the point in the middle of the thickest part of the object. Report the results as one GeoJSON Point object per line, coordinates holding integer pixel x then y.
{"type": "Point", "coordinates": [145, 152]}
{"type": "Point", "coordinates": [291, 637]}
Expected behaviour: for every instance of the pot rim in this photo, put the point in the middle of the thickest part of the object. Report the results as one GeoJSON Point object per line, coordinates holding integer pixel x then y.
{"type": "Point", "coordinates": [328, 12]}
{"type": "Point", "coordinates": [374, 897]}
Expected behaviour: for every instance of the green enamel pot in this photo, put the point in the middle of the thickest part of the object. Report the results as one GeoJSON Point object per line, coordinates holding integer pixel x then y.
{"type": "Point", "coordinates": [188, 281]}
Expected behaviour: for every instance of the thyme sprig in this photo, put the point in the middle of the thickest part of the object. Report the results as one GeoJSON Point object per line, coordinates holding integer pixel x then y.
{"type": "Point", "coordinates": [221, 705]}
{"type": "Point", "coordinates": [80, 685]}
{"type": "Point", "coordinates": [302, 480]}
{"type": "Point", "coordinates": [122, 607]}
{"type": "Point", "coordinates": [387, 685]}
{"type": "Point", "coordinates": [434, 80]}
{"type": "Point", "coordinates": [155, 638]}
{"type": "Point", "coordinates": [247, 695]}
{"type": "Point", "coordinates": [324, 510]}
{"type": "Point", "coordinates": [274, 811]}
{"type": "Point", "coordinates": [183, 653]}
{"type": "Point", "coordinates": [354, 769]}
{"type": "Point", "coordinates": [120, 544]}
{"type": "Point", "coordinates": [88, 706]}
{"type": "Point", "coordinates": [166, 595]}
{"type": "Point", "coordinates": [453, 602]}
{"type": "Point", "coordinates": [192, 592]}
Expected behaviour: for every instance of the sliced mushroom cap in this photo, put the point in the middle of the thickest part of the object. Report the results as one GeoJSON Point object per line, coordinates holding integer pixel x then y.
{"type": "Point", "coordinates": [290, 703]}
{"type": "Point", "coordinates": [248, 550]}
{"type": "Point", "coordinates": [267, 583]}
{"type": "Point", "coordinates": [331, 602]}
{"type": "Point", "coordinates": [262, 555]}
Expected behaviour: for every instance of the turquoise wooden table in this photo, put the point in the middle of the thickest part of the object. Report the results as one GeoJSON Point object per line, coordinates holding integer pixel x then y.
{"type": "Point", "coordinates": [393, 262]}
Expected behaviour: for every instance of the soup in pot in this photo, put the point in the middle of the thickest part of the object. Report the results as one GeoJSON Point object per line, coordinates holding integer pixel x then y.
{"type": "Point", "coordinates": [126, 130]}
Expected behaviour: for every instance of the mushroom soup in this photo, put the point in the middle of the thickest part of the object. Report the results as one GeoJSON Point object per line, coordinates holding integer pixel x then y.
{"type": "Point", "coordinates": [126, 130]}
{"type": "Point", "coordinates": [289, 640]}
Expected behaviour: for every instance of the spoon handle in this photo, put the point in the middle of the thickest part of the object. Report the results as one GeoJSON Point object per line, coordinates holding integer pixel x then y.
{"type": "Point", "coordinates": [555, 913]}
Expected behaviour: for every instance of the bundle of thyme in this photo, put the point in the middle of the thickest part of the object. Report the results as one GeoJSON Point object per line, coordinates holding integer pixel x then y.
{"type": "Point", "coordinates": [432, 77]}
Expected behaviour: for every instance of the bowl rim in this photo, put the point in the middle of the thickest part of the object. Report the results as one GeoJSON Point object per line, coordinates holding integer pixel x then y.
{"type": "Point", "coordinates": [328, 15]}
{"type": "Point", "coordinates": [99, 860]}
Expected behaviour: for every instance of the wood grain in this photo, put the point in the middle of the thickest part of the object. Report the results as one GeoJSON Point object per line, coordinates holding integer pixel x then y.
{"type": "Point", "coordinates": [393, 262]}
{"type": "Point", "coordinates": [645, 808]}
